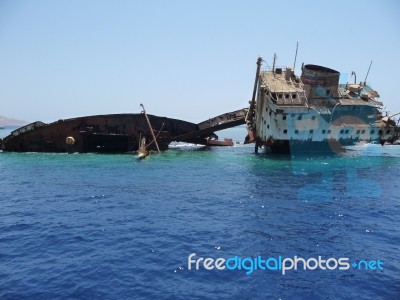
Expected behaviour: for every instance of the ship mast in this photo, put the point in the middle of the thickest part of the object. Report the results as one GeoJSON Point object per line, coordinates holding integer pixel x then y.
{"type": "Point", "coordinates": [365, 80]}
{"type": "Point", "coordinates": [273, 64]}
{"type": "Point", "coordinates": [250, 113]}
{"type": "Point", "coordinates": [295, 56]}
{"type": "Point", "coordinates": [151, 129]}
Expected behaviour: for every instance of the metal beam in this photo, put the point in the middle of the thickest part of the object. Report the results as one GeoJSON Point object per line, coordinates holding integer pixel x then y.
{"type": "Point", "coordinates": [151, 129]}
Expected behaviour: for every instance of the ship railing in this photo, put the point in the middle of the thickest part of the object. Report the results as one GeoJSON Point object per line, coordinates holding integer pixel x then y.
{"type": "Point", "coordinates": [297, 83]}
{"type": "Point", "coordinates": [27, 128]}
{"type": "Point", "coordinates": [288, 98]}
{"type": "Point", "coordinates": [223, 119]}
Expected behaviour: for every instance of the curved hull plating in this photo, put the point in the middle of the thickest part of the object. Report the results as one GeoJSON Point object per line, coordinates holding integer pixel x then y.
{"type": "Point", "coordinates": [103, 134]}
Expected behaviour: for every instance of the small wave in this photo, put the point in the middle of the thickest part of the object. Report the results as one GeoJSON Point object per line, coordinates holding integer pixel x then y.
{"type": "Point", "coordinates": [182, 145]}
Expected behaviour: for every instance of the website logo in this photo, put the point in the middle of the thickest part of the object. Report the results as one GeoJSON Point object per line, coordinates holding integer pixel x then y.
{"type": "Point", "coordinates": [251, 264]}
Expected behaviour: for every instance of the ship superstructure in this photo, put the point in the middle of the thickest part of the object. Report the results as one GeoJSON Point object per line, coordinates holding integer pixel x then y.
{"type": "Point", "coordinates": [314, 111]}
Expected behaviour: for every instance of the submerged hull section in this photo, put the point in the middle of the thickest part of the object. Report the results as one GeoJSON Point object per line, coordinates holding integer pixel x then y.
{"type": "Point", "coordinates": [116, 133]}
{"type": "Point", "coordinates": [309, 130]}
{"type": "Point", "coordinates": [103, 134]}
{"type": "Point", "coordinates": [305, 147]}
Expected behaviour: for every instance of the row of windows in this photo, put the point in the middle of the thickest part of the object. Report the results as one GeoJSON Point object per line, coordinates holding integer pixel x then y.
{"type": "Point", "coordinates": [300, 117]}
{"type": "Point", "coordinates": [280, 96]}
{"type": "Point", "coordinates": [341, 131]}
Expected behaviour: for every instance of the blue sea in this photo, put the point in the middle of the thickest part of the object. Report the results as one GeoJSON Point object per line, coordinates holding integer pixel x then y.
{"type": "Point", "coordinates": [92, 226]}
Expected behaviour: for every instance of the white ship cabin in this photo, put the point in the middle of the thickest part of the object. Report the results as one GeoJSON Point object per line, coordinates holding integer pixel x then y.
{"type": "Point", "coordinates": [317, 87]}
{"type": "Point", "coordinates": [282, 87]}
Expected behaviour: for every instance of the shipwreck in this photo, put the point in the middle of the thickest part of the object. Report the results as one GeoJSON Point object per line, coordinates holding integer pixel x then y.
{"type": "Point", "coordinates": [117, 133]}
{"type": "Point", "coordinates": [313, 112]}
{"type": "Point", "coordinates": [287, 113]}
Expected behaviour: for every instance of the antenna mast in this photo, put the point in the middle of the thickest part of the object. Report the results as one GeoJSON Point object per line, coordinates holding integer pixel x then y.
{"type": "Point", "coordinates": [295, 57]}
{"type": "Point", "coordinates": [273, 65]}
{"type": "Point", "coordinates": [365, 81]}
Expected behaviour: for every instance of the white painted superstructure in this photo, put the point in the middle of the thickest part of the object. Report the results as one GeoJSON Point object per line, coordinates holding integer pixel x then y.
{"type": "Point", "coordinates": [314, 109]}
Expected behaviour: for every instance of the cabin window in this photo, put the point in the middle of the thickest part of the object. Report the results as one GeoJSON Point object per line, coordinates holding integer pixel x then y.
{"type": "Point", "coordinates": [372, 131]}
{"type": "Point", "coordinates": [285, 131]}
{"type": "Point", "coordinates": [313, 118]}
{"type": "Point", "coordinates": [283, 117]}
{"type": "Point", "coordinates": [265, 122]}
{"type": "Point", "coordinates": [347, 131]}
{"type": "Point", "coordinates": [299, 117]}
{"type": "Point", "coordinates": [341, 131]}
{"type": "Point", "coordinates": [269, 112]}
{"type": "Point", "coordinates": [311, 130]}
{"type": "Point", "coordinates": [323, 131]}
{"type": "Point", "coordinates": [380, 131]}
{"type": "Point", "coordinates": [294, 96]}
{"type": "Point", "coordinates": [358, 131]}
{"type": "Point", "coordinates": [362, 131]}
{"type": "Point", "coordinates": [268, 126]}
{"type": "Point", "coordinates": [329, 131]}
{"type": "Point", "coordinates": [296, 131]}
{"type": "Point", "coordinates": [328, 92]}
{"type": "Point", "coordinates": [388, 131]}
{"type": "Point", "coordinates": [273, 96]}
{"type": "Point", "coordinates": [280, 96]}
{"type": "Point", "coordinates": [287, 96]}
{"type": "Point", "coordinates": [266, 109]}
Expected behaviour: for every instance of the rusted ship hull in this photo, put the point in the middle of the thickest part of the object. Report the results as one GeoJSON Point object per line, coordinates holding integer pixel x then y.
{"type": "Point", "coordinates": [116, 133]}
{"type": "Point", "coordinates": [103, 133]}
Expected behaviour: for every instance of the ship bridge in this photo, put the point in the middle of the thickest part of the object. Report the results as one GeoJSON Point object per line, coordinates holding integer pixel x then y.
{"type": "Point", "coordinates": [282, 87]}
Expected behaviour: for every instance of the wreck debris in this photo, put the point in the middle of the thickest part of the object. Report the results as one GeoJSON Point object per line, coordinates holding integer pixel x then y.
{"type": "Point", "coordinates": [117, 133]}
{"type": "Point", "coordinates": [225, 142]}
{"type": "Point", "coordinates": [142, 152]}
{"type": "Point", "coordinates": [151, 129]}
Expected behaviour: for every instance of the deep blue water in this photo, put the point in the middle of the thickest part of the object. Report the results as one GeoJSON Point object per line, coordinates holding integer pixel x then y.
{"type": "Point", "coordinates": [87, 226]}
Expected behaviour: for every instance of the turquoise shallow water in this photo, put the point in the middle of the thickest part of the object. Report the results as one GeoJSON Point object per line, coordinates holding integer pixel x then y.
{"type": "Point", "coordinates": [87, 226]}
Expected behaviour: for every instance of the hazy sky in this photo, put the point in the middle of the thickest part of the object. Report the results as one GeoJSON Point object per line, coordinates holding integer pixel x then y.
{"type": "Point", "coordinates": [183, 59]}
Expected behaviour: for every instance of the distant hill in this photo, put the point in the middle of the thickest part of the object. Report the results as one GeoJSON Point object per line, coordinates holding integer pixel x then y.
{"type": "Point", "coordinates": [11, 122]}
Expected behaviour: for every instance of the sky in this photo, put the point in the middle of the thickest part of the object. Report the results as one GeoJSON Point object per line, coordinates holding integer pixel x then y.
{"type": "Point", "coordinates": [189, 60]}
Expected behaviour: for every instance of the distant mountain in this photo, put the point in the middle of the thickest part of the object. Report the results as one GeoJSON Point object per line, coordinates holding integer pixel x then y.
{"type": "Point", "coordinates": [11, 122]}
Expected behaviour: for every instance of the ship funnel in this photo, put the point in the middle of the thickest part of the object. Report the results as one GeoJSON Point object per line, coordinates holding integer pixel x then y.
{"type": "Point", "coordinates": [320, 82]}
{"type": "Point", "coordinates": [288, 73]}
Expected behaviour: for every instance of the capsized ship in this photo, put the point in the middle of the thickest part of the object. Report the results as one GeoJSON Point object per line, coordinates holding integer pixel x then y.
{"type": "Point", "coordinates": [116, 133]}
{"type": "Point", "coordinates": [314, 112]}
